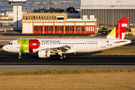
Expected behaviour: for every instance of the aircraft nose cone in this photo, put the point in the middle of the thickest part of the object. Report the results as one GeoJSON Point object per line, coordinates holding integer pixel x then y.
{"type": "Point", "coordinates": [4, 48]}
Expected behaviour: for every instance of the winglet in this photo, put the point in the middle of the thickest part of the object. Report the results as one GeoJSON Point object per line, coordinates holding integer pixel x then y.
{"type": "Point", "coordinates": [119, 30]}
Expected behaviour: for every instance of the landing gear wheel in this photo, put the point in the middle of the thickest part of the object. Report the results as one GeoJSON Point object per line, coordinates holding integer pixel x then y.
{"type": "Point", "coordinates": [64, 56]}
{"type": "Point", "coordinates": [19, 57]}
{"type": "Point", "coordinates": [61, 57]}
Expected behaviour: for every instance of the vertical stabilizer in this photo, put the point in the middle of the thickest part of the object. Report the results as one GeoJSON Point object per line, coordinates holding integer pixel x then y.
{"type": "Point", "coordinates": [119, 30]}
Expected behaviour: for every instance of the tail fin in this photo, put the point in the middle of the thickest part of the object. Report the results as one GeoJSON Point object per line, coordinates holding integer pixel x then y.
{"type": "Point", "coordinates": [119, 30]}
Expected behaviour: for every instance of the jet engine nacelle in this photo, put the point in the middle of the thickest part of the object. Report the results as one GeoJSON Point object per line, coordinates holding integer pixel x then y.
{"type": "Point", "coordinates": [44, 53]}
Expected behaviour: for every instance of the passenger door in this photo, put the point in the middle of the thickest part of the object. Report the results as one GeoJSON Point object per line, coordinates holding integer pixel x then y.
{"type": "Point", "coordinates": [103, 44]}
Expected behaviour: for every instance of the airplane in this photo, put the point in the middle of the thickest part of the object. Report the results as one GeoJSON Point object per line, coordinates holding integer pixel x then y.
{"type": "Point", "coordinates": [49, 47]}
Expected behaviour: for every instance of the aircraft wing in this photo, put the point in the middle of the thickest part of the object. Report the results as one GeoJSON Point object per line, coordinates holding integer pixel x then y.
{"type": "Point", "coordinates": [61, 49]}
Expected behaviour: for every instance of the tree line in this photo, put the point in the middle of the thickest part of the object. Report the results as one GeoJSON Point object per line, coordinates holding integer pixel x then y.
{"type": "Point", "coordinates": [68, 10]}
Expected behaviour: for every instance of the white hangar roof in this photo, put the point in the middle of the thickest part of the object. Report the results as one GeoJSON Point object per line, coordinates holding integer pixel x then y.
{"type": "Point", "coordinates": [107, 4]}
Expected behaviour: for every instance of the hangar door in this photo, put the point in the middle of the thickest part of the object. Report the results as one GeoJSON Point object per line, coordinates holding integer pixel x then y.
{"type": "Point", "coordinates": [48, 29]}
{"type": "Point", "coordinates": [38, 29]}
{"type": "Point", "coordinates": [90, 29]}
{"type": "Point", "coordinates": [59, 29]}
{"type": "Point", "coordinates": [79, 29]}
{"type": "Point", "coordinates": [69, 29]}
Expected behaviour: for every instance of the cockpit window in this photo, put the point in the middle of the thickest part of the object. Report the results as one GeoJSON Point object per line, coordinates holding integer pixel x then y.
{"type": "Point", "coordinates": [10, 43]}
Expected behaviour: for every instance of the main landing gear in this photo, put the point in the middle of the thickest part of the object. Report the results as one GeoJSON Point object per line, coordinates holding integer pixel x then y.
{"type": "Point", "coordinates": [62, 57]}
{"type": "Point", "coordinates": [19, 57]}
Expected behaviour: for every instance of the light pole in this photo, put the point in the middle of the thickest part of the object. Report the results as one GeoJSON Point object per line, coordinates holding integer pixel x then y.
{"type": "Point", "coordinates": [113, 15]}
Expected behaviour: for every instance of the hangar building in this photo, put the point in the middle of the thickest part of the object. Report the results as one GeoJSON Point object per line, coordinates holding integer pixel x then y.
{"type": "Point", "coordinates": [57, 24]}
{"type": "Point", "coordinates": [109, 12]}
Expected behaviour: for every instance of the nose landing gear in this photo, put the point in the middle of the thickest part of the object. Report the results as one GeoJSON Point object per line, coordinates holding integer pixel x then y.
{"type": "Point", "coordinates": [19, 57]}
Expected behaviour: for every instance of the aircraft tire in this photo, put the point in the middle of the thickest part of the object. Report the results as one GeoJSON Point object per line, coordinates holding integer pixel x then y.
{"type": "Point", "coordinates": [61, 57]}
{"type": "Point", "coordinates": [19, 58]}
{"type": "Point", "coordinates": [64, 56]}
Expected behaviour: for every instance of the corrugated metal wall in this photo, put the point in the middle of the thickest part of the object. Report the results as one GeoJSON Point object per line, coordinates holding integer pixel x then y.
{"type": "Point", "coordinates": [110, 17]}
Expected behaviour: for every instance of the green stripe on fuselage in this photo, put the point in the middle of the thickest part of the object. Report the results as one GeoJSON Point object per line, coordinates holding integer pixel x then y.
{"type": "Point", "coordinates": [24, 45]}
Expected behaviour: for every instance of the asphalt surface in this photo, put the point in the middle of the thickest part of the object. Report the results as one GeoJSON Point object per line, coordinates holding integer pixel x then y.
{"type": "Point", "coordinates": [31, 59]}
{"type": "Point", "coordinates": [72, 62]}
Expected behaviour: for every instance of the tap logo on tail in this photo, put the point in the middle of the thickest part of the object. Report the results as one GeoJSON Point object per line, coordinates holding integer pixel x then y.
{"type": "Point", "coordinates": [119, 30]}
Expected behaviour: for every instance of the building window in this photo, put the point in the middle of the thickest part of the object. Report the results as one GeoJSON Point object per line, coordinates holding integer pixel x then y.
{"type": "Point", "coordinates": [28, 17]}
{"type": "Point", "coordinates": [50, 18]}
{"type": "Point", "coordinates": [36, 17]}
{"type": "Point", "coordinates": [54, 17]}
{"type": "Point", "coordinates": [23, 17]}
{"type": "Point", "coordinates": [31, 17]}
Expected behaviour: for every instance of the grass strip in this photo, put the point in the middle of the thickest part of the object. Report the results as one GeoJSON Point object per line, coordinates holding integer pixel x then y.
{"type": "Point", "coordinates": [61, 72]}
{"type": "Point", "coordinates": [124, 50]}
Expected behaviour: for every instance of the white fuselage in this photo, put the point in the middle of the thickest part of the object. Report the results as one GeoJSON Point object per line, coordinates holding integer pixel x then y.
{"type": "Point", "coordinates": [78, 45]}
